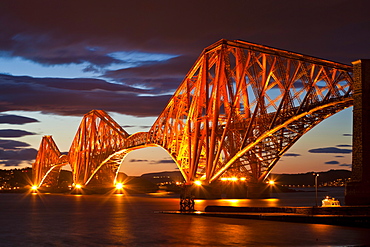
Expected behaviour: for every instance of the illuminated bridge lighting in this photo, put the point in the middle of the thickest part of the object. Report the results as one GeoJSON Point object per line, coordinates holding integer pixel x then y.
{"type": "Point", "coordinates": [247, 128]}
{"type": "Point", "coordinates": [233, 179]}
{"type": "Point", "coordinates": [119, 186]}
{"type": "Point", "coordinates": [271, 182]}
{"type": "Point", "coordinates": [198, 182]}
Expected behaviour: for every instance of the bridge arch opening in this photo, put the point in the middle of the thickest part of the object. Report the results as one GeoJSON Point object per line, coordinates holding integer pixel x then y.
{"type": "Point", "coordinates": [147, 160]}
{"type": "Point", "coordinates": [327, 146]}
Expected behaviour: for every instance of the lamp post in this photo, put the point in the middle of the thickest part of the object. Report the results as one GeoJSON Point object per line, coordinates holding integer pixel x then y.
{"type": "Point", "coordinates": [316, 176]}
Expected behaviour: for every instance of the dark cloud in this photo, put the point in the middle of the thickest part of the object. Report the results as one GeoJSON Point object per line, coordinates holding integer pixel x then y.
{"type": "Point", "coordinates": [136, 160]}
{"type": "Point", "coordinates": [20, 154]}
{"type": "Point", "coordinates": [291, 155]}
{"type": "Point", "coordinates": [13, 153]}
{"type": "Point", "coordinates": [14, 133]}
{"type": "Point", "coordinates": [64, 32]}
{"type": "Point", "coordinates": [339, 156]}
{"type": "Point", "coordinates": [344, 146]}
{"type": "Point", "coordinates": [330, 150]}
{"type": "Point", "coordinates": [162, 161]}
{"type": "Point", "coordinates": [50, 95]}
{"type": "Point", "coordinates": [15, 119]}
{"type": "Point", "coordinates": [333, 162]}
{"type": "Point", "coordinates": [347, 134]}
{"type": "Point", "coordinates": [10, 144]}
{"type": "Point", "coordinates": [346, 165]}
{"type": "Point", "coordinates": [128, 126]}
{"type": "Point", "coordinates": [15, 162]}
{"type": "Point", "coordinates": [159, 77]}
{"type": "Point", "coordinates": [153, 162]}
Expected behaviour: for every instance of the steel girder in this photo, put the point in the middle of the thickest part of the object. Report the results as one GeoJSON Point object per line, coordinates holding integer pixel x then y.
{"type": "Point", "coordinates": [242, 105]}
{"type": "Point", "coordinates": [49, 160]}
{"type": "Point", "coordinates": [97, 138]}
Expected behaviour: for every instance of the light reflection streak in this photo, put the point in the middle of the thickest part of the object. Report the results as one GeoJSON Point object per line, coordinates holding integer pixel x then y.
{"type": "Point", "coordinates": [231, 202]}
{"type": "Point", "coordinates": [269, 202]}
{"type": "Point", "coordinates": [119, 224]}
{"type": "Point", "coordinates": [272, 202]}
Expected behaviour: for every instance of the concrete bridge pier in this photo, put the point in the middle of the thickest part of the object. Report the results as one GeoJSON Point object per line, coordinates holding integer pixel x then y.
{"type": "Point", "coordinates": [358, 190]}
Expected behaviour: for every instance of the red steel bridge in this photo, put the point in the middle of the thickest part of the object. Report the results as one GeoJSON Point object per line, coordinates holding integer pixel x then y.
{"type": "Point", "coordinates": [238, 110]}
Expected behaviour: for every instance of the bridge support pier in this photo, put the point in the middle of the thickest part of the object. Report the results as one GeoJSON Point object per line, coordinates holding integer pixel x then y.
{"type": "Point", "coordinates": [187, 199]}
{"type": "Point", "coordinates": [358, 190]}
{"type": "Point", "coordinates": [258, 190]}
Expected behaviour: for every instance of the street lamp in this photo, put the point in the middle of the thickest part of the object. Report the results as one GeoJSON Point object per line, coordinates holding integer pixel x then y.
{"type": "Point", "coordinates": [316, 176]}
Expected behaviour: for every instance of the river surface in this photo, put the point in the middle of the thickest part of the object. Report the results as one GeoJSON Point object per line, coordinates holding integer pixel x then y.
{"type": "Point", "coordinates": [133, 220]}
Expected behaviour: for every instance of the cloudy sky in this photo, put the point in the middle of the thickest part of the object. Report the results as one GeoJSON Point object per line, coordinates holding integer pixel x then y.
{"type": "Point", "coordinates": [61, 59]}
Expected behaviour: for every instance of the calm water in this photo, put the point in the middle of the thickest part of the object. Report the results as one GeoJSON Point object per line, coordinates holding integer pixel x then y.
{"type": "Point", "coordinates": [120, 220]}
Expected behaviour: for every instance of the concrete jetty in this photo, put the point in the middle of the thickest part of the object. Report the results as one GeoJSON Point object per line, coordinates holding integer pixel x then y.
{"type": "Point", "coordinates": [353, 216]}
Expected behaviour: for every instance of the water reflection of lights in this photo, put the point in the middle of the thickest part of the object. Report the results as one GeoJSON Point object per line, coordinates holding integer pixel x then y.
{"type": "Point", "coordinates": [272, 202]}
{"type": "Point", "coordinates": [199, 200]}
{"type": "Point", "coordinates": [231, 202]}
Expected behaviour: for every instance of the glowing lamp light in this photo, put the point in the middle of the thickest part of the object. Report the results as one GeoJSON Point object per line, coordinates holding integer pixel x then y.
{"type": "Point", "coordinates": [223, 179]}
{"type": "Point", "coordinates": [199, 183]}
{"type": "Point", "coordinates": [271, 182]}
{"type": "Point", "coordinates": [119, 186]}
{"type": "Point", "coordinates": [234, 179]}
{"type": "Point", "coordinates": [34, 187]}
{"type": "Point", "coordinates": [243, 179]}
{"type": "Point", "coordinates": [78, 186]}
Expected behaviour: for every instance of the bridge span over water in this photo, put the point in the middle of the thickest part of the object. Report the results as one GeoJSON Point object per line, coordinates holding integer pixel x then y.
{"type": "Point", "coordinates": [238, 110]}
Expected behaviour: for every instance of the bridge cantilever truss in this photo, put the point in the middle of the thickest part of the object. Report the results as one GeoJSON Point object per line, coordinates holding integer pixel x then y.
{"type": "Point", "coordinates": [96, 139]}
{"type": "Point", "coordinates": [242, 105]}
{"type": "Point", "coordinates": [238, 110]}
{"type": "Point", "coordinates": [48, 163]}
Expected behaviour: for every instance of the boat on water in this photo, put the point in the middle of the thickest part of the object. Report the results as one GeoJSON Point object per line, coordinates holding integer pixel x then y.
{"type": "Point", "coordinates": [330, 202]}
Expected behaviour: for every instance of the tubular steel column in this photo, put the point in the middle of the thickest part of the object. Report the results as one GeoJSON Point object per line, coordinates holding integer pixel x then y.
{"type": "Point", "coordinates": [358, 190]}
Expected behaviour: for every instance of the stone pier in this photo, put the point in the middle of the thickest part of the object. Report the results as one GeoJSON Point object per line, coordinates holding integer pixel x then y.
{"type": "Point", "coordinates": [358, 190]}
